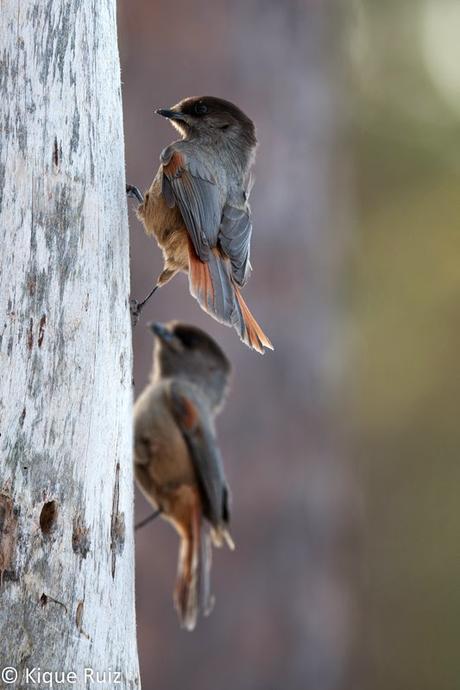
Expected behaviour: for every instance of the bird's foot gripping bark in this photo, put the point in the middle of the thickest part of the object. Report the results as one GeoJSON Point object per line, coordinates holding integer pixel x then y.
{"type": "Point", "coordinates": [134, 192]}
{"type": "Point", "coordinates": [136, 307]}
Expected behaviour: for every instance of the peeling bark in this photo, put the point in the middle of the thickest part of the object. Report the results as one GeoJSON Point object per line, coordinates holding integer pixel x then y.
{"type": "Point", "coordinates": [66, 490]}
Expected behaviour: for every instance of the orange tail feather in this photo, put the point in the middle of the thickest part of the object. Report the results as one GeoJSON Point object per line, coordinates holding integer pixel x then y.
{"type": "Point", "coordinates": [192, 593]}
{"type": "Point", "coordinates": [255, 337]}
{"type": "Point", "coordinates": [212, 285]}
{"type": "Point", "coordinates": [186, 595]}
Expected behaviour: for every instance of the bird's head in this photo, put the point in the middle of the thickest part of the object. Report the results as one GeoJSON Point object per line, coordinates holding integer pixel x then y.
{"type": "Point", "coordinates": [183, 351]}
{"type": "Point", "coordinates": [213, 119]}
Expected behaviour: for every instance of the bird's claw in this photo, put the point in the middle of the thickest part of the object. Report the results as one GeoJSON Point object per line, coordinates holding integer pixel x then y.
{"type": "Point", "coordinates": [135, 309]}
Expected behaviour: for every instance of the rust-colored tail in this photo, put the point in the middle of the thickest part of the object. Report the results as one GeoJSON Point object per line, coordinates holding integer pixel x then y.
{"type": "Point", "coordinates": [212, 285]}
{"type": "Point", "coordinates": [253, 334]}
{"type": "Point", "coordinates": [192, 592]}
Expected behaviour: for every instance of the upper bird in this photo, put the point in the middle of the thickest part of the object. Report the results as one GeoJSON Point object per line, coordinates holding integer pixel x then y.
{"type": "Point", "coordinates": [197, 208]}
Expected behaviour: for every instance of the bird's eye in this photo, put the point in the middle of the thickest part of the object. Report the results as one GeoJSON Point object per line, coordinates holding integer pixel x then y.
{"type": "Point", "coordinates": [200, 109]}
{"type": "Point", "coordinates": [224, 127]}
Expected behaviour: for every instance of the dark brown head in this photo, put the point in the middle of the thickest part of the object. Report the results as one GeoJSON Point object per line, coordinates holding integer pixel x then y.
{"type": "Point", "coordinates": [183, 351]}
{"type": "Point", "coordinates": [211, 117]}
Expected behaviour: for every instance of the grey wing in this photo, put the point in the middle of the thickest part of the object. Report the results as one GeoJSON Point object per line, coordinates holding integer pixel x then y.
{"type": "Point", "coordinates": [235, 239]}
{"type": "Point", "coordinates": [205, 454]}
{"type": "Point", "coordinates": [187, 183]}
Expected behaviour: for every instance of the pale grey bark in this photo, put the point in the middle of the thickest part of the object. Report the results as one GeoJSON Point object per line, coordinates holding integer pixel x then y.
{"type": "Point", "coordinates": [66, 491]}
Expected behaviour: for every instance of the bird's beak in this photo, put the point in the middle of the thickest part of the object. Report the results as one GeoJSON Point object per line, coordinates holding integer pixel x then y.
{"type": "Point", "coordinates": [162, 332]}
{"type": "Point", "coordinates": [170, 114]}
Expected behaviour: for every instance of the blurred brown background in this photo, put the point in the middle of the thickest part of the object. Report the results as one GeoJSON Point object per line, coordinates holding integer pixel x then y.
{"type": "Point", "coordinates": [341, 447]}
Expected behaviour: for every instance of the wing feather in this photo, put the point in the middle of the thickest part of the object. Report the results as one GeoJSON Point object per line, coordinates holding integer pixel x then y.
{"type": "Point", "coordinates": [192, 188]}
{"type": "Point", "coordinates": [235, 240]}
{"type": "Point", "coordinates": [188, 183]}
{"type": "Point", "coordinates": [205, 454]}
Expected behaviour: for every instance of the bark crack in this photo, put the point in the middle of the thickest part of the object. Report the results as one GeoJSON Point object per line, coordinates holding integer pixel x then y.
{"type": "Point", "coordinates": [81, 542]}
{"type": "Point", "coordinates": [117, 528]}
{"type": "Point", "coordinates": [8, 536]}
{"type": "Point", "coordinates": [79, 619]}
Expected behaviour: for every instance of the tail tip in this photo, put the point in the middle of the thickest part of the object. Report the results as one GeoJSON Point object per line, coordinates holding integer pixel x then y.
{"type": "Point", "coordinates": [187, 612]}
{"type": "Point", "coordinates": [261, 345]}
{"type": "Point", "coordinates": [250, 332]}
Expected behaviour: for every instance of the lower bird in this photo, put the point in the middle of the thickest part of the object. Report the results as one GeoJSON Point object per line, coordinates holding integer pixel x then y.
{"type": "Point", "coordinates": [178, 465]}
{"type": "Point", "coordinates": [197, 207]}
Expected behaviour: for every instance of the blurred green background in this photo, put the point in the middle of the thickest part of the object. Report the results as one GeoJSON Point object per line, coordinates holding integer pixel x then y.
{"type": "Point", "coordinates": [404, 290]}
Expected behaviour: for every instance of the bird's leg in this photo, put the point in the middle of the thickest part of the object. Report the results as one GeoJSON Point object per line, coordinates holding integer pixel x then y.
{"type": "Point", "coordinates": [148, 519]}
{"type": "Point", "coordinates": [133, 191]}
{"type": "Point", "coordinates": [136, 307]}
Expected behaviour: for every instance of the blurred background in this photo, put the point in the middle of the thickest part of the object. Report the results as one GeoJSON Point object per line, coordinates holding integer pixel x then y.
{"type": "Point", "coordinates": [341, 447]}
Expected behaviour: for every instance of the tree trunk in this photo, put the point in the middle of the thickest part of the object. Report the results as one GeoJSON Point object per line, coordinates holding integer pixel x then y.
{"type": "Point", "coordinates": [66, 546]}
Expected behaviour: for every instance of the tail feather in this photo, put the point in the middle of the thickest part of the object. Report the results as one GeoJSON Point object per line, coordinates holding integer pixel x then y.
{"type": "Point", "coordinates": [186, 596]}
{"type": "Point", "coordinates": [254, 335]}
{"type": "Point", "coordinates": [193, 589]}
{"type": "Point", "coordinates": [212, 285]}
{"type": "Point", "coordinates": [206, 598]}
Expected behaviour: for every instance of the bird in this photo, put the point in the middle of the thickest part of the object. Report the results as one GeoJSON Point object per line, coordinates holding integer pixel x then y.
{"type": "Point", "coordinates": [198, 209]}
{"type": "Point", "coordinates": [177, 462]}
